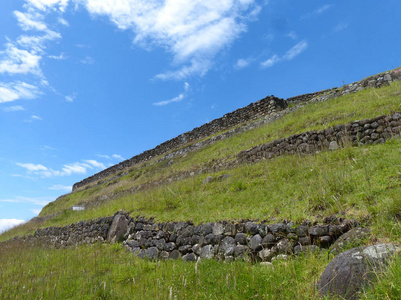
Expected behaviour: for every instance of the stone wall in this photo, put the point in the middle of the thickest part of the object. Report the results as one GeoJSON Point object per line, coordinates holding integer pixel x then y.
{"type": "Point", "coordinates": [364, 132]}
{"type": "Point", "coordinates": [226, 240]}
{"type": "Point", "coordinates": [253, 111]}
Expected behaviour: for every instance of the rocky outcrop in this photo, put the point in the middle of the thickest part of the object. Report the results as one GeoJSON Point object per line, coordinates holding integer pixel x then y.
{"type": "Point", "coordinates": [348, 272]}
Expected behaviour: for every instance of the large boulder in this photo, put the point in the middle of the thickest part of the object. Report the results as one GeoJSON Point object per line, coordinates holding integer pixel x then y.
{"type": "Point", "coordinates": [349, 271]}
{"type": "Point", "coordinates": [118, 228]}
{"type": "Point", "coordinates": [350, 239]}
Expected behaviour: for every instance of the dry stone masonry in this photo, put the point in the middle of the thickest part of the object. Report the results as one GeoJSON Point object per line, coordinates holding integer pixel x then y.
{"type": "Point", "coordinates": [364, 132]}
{"type": "Point", "coordinates": [226, 240]}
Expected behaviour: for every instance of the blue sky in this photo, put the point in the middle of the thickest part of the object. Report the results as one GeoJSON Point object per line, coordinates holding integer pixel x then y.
{"type": "Point", "coordinates": [85, 84]}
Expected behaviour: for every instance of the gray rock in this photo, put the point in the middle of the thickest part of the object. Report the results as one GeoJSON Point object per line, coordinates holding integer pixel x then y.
{"type": "Point", "coordinates": [185, 249]}
{"type": "Point", "coordinates": [348, 272]}
{"type": "Point", "coordinates": [152, 253]}
{"type": "Point", "coordinates": [240, 238]}
{"type": "Point", "coordinates": [170, 246]}
{"type": "Point", "coordinates": [268, 240]}
{"type": "Point", "coordinates": [266, 254]}
{"type": "Point", "coordinates": [251, 228]}
{"type": "Point", "coordinates": [118, 228]}
{"type": "Point", "coordinates": [333, 145]}
{"type": "Point", "coordinates": [255, 243]}
{"type": "Point", "coordinates": [189, 257]}
{"type": "Point", "coordinates": [279, 227]}
{"type": "Point", "coordinates": [208, 179]}
{"type": "Point", "coordinates": [208, 251]}
{"type": "Point", "coordinates": [387, 77]}
{"type": "Point", "coordinates": [160, 244]}
{"type": "Point", "coordinates": [301, 230]}
{"type": "Point", "coordinates": [352, 238]}
{"type": "Point", "coordinates": [299, 249]}
{"type": "Point", "coordinates": [196, 249]}
{"type": "Point", "coordinates": [241, 251]}
{"type": "Point", "coordinates": [175, 254]}
{"type": "Point", "coordinates": [218, 229]}
{"type": "Point", "coordinates": [319, 230]}
{"type": "Point", "coordinates": [227, 246]}
{"type": "Point", "coordinates": [163, 255]}
{"type": "Point", "coordinates": [284, 246]}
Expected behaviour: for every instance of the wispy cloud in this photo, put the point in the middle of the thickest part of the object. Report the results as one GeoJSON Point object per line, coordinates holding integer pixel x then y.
{"type": "Point", "coordinates": [32, 200]}
{"type": "Point", "coordinates": [13, 108]}
{"type": "Point", "coordinates": [71, 98]}
{"type": "Point", "coordinates": [289, 55]}
{"type": "Point", "coordinates": [17, 90]}
{"type": "Point", "coordinates": [30, 21]}
{"type": "Point", "coordinates": [340, 27]}
{"type": "Point", "coordinates": [118, 156]}
{"type": "Point", "coordinates": [58, 57]}
{"type": "Point", "coordinates": [19, 61]}
{"type": "Point", "coordinates": [242, 63]}
{"type": "Point", "coordinates": [317, 11]}
{"type": "Point", "coordinates": [87, 60]}
{"type": "Point", "coordinates": [179, 98]}
{"type": "Point", "coordinates": [60, 187]}
{"type": "Point", "coordinates": [67, 169]}
{"type": "Point", "coordinates": [6, 224]}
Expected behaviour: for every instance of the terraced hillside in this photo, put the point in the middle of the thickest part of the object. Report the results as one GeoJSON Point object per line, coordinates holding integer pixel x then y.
{"type": "Point", "coordinates": [335, 160]}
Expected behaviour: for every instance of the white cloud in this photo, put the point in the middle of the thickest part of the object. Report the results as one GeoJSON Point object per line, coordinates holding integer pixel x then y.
{"type": "Point", "coordinates": [13, 108]}
{"type": "Point", "coordinates": [32, 200]}
{"type": "Point", "coordinates": [36, 211]}
{"type": "Point", "coordinates": [117, 156]}
{"type": "Point", "coordinates": [95, 164]}
{"type": "Point", "coordinates": [32, 167]}
{"type": "Point", "coordinates": [58, 57]}
{"type": "Point", "coordinates": [63, 21]}
{"type": "Point", "coordinates": [87, 60]}
{"type": "Point", "coordinates": [66, 170]}
{"type": "Point", "coordinates": [270, 62]}
{"type": "Point", "coordinates": [43, 5]}
{"type": "Point", "coordinates": [341, 26]}
{"type": "Point", "coordinates": [36, 118]}
{"type": "Point", "coordinates": [6, 224]}
{"type": "Point", "coordinates": [17, 90]}
{"type": "Point", "coordinates": [103, 156]}
{"type": "Point", "coordinates": [317, 11]}
{"type": "Point", "coordinates": [60, 187]}
{"type": "Point", "coordinates": [194, 31]}
{"type": "Point", "coordinates": [179, 98]}
{"type": "Point", "coordinates": [71, 98]}
{"type": "Point", "coordinates": [289, 55]}
{"type": "Point", "coordinates": [19, 61]}
{"type": "Point", "coordinates": [242, 63]}
{"type": "Point", "coordinates": [296, 50]}
{"type": "Point", "coordinates": [30, 21]}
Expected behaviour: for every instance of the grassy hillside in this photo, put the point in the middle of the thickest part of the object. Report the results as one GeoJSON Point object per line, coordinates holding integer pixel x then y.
{"type": "Point", "coordinates": [355, 182]}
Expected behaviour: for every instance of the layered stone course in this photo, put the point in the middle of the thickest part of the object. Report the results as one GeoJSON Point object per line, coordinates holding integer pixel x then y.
{"type": "Point", "coordinates": [226, 240]}
{"type": "Point", "coordinates": [364, 132]}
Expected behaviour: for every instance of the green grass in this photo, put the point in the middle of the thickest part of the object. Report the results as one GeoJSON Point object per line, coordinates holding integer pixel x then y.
{"type": "Point", "coordinates": [110, 272]}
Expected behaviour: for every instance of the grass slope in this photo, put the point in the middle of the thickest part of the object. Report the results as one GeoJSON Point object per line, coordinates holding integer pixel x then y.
{"type": "Point", "coordinates": [362, 183]}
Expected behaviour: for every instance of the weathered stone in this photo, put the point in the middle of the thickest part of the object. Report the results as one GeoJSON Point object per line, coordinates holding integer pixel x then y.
{"type": "Point", "coordinates": [164, 255]}
{"type": "Point", "coordinates": [210, 239]}
{"type": "Point", "coordinates": [284, 246]}
{"type": "Point", "coordinates": [319, 230]}
{"type": "Point", "coordinates": [299, 249]}
{"type": "Point", "coordinates": [208, 251]}
{"type": "Point", "coordinates": [251, 228]}
{"type": "Point", "coordinates": [266, 254]}
{"type": "Point", "coordinates": [241, 251]}
{"type": "Point", "coordinates": [240, 238]}
{"type": "Point", "coordinates": [152, 253]}
{"type": "Point", "coordinates": [255, 243]}
{"type": "Point", "coordinates": [175, 254]}
{"type": "Point", "coordinates": [268, 240]}
{"type": "Point", "coordinates": [189, 257]}
{"type": "Point", "coordinates": [170, 246]}
{"type": "Point", "coordinates": [218, 229]}
{"type": "Point", "coordinates": [226, 246]}
{"type": "Point", "coordinates": [333, 145]}
{"type": "Point", "coordinates": [325, 240]}
{"type": "Point", "coordinates": [352, 238]}
{"type": "Point", "coordinates": [160, 244]}
{"type": "Point", "coordinates": [267, 264]}
{"type": "Point", "coordinates": [118, 228]}
{"type": "Point", "coordinates": [276, 228]}
{"type": "Point", "coordinates": [348, 272]}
